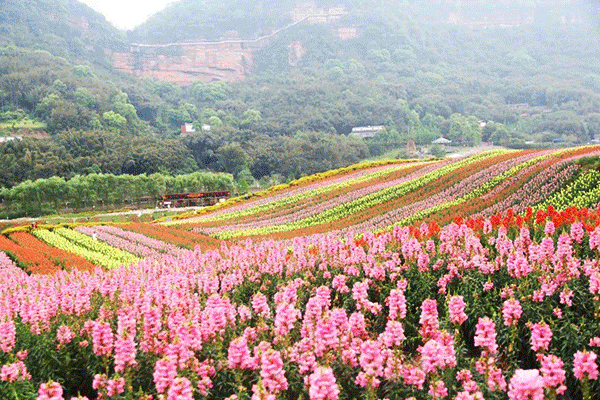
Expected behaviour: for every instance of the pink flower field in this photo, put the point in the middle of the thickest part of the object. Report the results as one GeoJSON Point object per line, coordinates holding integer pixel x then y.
{"type": "Point", "coordinates": [501, 312]}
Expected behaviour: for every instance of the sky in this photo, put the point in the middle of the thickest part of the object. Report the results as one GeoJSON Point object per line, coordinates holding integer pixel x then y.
{"type": "Point", "coordinates": [126, 14]}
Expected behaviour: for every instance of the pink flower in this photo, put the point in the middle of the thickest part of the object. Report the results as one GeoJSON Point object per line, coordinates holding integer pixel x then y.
{"type": "Point", "coordinates": [456, 309]}
{"type": "Point", "coordinates": [371, 359]}
{"type": "Point", "coordinates": [239, 354]}
{"type": "Point", "coordinates": [165, 372]}
{"type": "Point", "coordinates": [14, 372]}
{"type": "Point", "coordinates": [549, 228]}
{"type": "Point", "coordinates": [485, 336]}
{"type": "Point", "coordinates": [541, 335]}
{"type": "Point", "coordinates": [50, 391]}
{"type": "Point", "coordinates": [594, 342]}
{"type": "Point", "coordinates": [438, 390]}
{"type": "Point", "coordinates": [261, 306]}
{"type": "Point", "coordinates": [393, 334]}
{"type": "Point", "coordinates": [511, 312]}
{"type": "Point", "coordinates": [322, 385]}
{"type": "Point", "coordinates": [339, 283]}
{"type": "Point", "coordinates": [115, 386]}
{"type": "Point", "coordinates": [103, 339]}
{"type": "Point", "coordinates": [7, 336]}
{"type": "Point", "coordinates": [271, 369]}
{"type": "Point", "coordinates": [526, 384]}
{"type": "Point", "coordinates": [429, 319]}
{"type": "Point", "coordinates": [552, 373]}
{"type": "Point", "coordinates": [181, 389]}
{"type": "Point", "coordinates": [584, 365]}
{"type": "Point", "coordinates": [64, 335]}
{"type": "Point", "coordinates": [397, 304]}
{"type": "Point", "coordinates": [124, 354]}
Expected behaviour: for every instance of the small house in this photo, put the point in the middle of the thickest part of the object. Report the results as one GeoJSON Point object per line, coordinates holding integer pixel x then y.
{"type": "Point", "coordinates": [187, 128]}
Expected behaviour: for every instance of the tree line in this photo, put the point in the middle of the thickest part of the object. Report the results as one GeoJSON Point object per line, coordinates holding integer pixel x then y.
{"type": "Point", "coordinates": [103, 191]}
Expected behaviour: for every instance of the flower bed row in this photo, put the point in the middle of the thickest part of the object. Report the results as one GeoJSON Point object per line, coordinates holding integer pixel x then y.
{"type": "Point", "coordinates": [293, 200]}
{"type": "Point", "coordinates": [28, 258]}
{"type": "Point", "coordinates": [175, 236]}
{"type": "Point", "coordinates": [319, 205]}
{"type": "Point", "coordinates": [118, 242]}
{"type": "Point", "coordinates": [64, 259]}
{"type": "Point", "coordinates": [358, 205]}
{"type": "Point", "coordinates": [527, 187]}
{"type": "Point", "coordinates": [493, 311]}
{"type": "Point", "coordinates": [326, 193]}
{"type": "Point", "coordinates": [94, 251]}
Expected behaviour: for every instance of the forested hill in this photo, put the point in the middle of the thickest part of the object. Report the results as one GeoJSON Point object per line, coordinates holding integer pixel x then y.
{"type": "Point", "coordinates": [211, 19]}
{"type": "Point", "coordinates": [65, 28]}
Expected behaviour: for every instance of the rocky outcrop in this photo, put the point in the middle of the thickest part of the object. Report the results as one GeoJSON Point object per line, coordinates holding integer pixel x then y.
{"type": "Point", "coordinates": [185, 63]}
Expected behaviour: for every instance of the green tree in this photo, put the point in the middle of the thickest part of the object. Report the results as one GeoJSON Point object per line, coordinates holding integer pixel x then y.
{"type": "Point", "coordinates": [114, 122]}
{"type": "Point", "coordinates": [232, 158]}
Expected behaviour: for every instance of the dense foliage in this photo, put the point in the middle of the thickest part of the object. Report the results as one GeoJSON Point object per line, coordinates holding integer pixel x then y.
{"type": "Point", "coordinates": [526, 76]}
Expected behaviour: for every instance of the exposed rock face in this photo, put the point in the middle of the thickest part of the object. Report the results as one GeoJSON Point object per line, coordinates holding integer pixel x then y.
{"type": "Point", "coordinates": [183, 64]}
{"type": "Point", "coordinates": [229, 59]}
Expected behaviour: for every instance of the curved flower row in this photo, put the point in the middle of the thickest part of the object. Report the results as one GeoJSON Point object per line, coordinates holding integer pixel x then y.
{"type": "Point", "coordinates": [152, 243]}
{"type": "Point", "coordinates": [423, 201]}
{"type": "Point", "coordinates": [174, 236]}
{"type": "Point", "coordinates": [306, 184]}
{"type": "Point", "coordinates": [332, 196]}
{"type": "Point", "coordinates": [284, 202]}
{"type": "Point", "coordinates": [97, 246]}
{"type": "Point", "coordinates": [118, 242]}
{"type": "Point", "coordinates": [583, 192]}
{"type": "Point", "coordinates": [359, 204]}
{"type": "Point", "coordinates": [318, 206]}
{"type": "Point", "coordinates": [28, 257]}
{"type": "Point", "coordinates": [63, 259]}
{"type": "Point", "coordinates": [6, 262]}
{"type": "Point", "coordinates": [97, 253]}
{"type": "Point", "coordinates": [485, 187]}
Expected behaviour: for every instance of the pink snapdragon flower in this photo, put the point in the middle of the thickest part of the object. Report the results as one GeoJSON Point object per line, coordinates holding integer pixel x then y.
{"type": "Point", "coordinates": [485, 336]}
{"type": "Point", "coordinates": [549, 228]}
{"type": "Point", "coordinates": [438, 390]}
{"type": "Point", "coordinates": [584, 365]}
{"type": "Point", "coordinates": [8, 334]}
{"type": "Point", "coordinates": [103, 339]}
{"type": "Point", "coordinates": [541, 335]}
{"type": "Point", "coordinates": [553, 373]}
{"type": "Point", "coordinates": [261, 306]}
{"type": "Point", "coordinates": [322, 385]}
{"type": "Point", "coordinates": [511, 312]}
{"type": "Point", "coordinates": [181, 389]}
{"type": "Point", "coordinates": [64, 335]}
{"type": "Point", "coordinates": [50, 391]}
{"type": "Point", "coordinates": [456, 309]}
{"type": "Point", "coordinates": [429, 319]}
{"type": "Point", "coordinates": [526, 384]}
{"type": "Point", "coordinates": [14, 372]}
{"type": "Point", "coordinates": [397, 304]}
